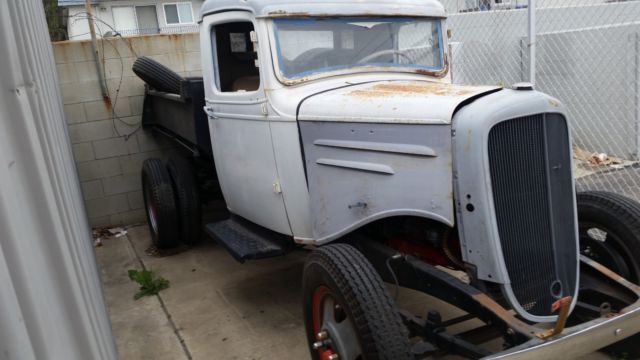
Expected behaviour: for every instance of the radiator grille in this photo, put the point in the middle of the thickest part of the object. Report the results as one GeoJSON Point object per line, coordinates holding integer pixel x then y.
{"type": "Point", "coordinates": [530, 167]}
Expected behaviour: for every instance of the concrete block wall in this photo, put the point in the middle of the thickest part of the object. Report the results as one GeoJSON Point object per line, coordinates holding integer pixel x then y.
{"type": "Point", "coordinates": [108, 144]}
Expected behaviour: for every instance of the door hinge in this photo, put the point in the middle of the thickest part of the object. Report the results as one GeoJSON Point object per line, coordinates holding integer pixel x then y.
{"type": "Point", "coordinates": [209, 111]}
{"type": "Point", "coordinates": [276, 188]}
{"type": "Point", "coordinates": [264, 109]}
{"type": "Point", "coordinates": [254, 43]}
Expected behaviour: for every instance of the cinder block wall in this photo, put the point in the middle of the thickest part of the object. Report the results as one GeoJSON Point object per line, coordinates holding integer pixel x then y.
{"type": "Point", "coordinates": [108, 143]}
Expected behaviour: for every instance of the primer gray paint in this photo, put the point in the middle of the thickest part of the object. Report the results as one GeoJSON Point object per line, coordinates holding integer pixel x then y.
{"type": "Point", "coordinates": [266, 8]}
{"type": "Point", "coordinates": [478, 230]}
{"type": "Point", "coordinates": [360, 172]}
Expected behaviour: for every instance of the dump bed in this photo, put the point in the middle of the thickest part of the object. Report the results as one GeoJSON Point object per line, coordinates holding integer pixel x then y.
{"type": "Point", "coordinates": [180, 116]}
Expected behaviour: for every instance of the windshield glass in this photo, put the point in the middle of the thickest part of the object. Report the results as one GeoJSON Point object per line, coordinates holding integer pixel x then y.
{"type": "Point", "coordinates": [313, 45]}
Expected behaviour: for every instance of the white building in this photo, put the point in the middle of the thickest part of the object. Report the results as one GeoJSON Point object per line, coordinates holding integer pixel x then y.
{"type": "Point", "coordinates": [132, 17]}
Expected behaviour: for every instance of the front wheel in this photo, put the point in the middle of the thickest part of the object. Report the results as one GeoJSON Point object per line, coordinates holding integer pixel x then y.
{"type": "Point", "coordinates": [348, 312]}
{"type": "Point", "coordinates": [609, 226]}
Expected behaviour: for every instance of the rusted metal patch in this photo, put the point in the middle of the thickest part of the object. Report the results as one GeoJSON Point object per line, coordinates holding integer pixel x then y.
{"type": "Point", "coordinates": [413, 88]}
{"type": "Point", "coordinates": [505, 315]}
{"type": "Point", "coordinates": [610, 274]}
{"type": "Point", "coordinates": [284, 13]}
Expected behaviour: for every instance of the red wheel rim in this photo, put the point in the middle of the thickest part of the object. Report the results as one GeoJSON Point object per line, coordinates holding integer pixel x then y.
{"type": "Point", "coordinates": [316, 305]}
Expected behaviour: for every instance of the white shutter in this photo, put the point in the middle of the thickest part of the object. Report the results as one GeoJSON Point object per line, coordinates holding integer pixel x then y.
{"type": "Point", "coordinates": [124, 18]}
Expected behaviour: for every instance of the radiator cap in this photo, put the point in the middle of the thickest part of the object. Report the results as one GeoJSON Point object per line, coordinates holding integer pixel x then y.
{"type": "Point", "coordinates": [522, 86]}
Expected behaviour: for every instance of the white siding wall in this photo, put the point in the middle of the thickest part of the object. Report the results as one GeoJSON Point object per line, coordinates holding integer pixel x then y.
{"type": "Point", "coordinates": [51, 302]}
{"type": "Point", "coordinates": [78, 26]}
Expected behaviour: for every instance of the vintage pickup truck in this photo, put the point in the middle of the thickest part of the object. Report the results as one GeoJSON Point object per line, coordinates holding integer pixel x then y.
{"type": "Point", "coordinates": [334, 125]}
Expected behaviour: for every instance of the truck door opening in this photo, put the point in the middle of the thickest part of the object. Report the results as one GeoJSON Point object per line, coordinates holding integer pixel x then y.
{"type": "Point", "coordinates": [237, 69]}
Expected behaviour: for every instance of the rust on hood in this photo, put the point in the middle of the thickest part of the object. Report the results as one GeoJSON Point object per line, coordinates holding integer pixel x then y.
{"type": "Point", "coordinates": [414, 88]}
{"type": "Point", "coordinates": [284, 13]}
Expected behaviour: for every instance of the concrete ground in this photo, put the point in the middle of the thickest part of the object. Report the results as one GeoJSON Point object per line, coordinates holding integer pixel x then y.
{"type": "Point", "coordinates": [215, 307]}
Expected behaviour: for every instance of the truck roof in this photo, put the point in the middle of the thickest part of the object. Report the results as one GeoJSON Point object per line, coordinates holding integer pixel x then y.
{"type": "Point", "coordinates": [297, 8]}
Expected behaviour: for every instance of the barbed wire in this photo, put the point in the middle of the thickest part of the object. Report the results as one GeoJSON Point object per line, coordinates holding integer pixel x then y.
{"type": "Point", "coordinates": [114, 116]}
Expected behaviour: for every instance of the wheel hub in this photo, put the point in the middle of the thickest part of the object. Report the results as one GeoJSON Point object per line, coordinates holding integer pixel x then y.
{"type": "Point", "coordinates": [604, 246]}
{"type": "Point", "coordinates": [335, 334]}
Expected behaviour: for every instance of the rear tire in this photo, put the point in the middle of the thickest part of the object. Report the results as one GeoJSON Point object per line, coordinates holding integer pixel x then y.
{"type": "Point", "coordinates": [345, 298]}
{"type": "Point", "coordinates": [157, 75]}
{"type": "Point", "coordinates": [160, 204]}
{"type": "Point", "coordinates": [188, 202]}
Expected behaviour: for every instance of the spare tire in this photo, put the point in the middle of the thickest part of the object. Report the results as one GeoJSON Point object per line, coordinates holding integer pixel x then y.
{"type": "Point", "coordinates": [157, 75]}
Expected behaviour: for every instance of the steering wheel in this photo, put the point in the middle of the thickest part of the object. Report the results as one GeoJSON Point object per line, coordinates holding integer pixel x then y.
{"type": "Point", "coordinates": [380, 53]}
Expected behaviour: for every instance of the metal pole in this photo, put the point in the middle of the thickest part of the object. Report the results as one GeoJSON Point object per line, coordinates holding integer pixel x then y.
{"type": "Point", "coordinates": [94, 48]}
{"type": "Point", "coordinates": [532, 41]}
{"type": "Point", "coordinates": [636, 39]}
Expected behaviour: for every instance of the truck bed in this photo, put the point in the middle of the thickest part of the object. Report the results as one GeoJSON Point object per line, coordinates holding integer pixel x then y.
{"type": "Point", "coordinates": [181, 117]}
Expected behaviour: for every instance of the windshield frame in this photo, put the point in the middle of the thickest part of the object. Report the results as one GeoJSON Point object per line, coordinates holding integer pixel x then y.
{"type": "Point", "coordinates": [439, 72]}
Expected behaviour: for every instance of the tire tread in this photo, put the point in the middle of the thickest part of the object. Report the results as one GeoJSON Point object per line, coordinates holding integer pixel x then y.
{"type": "Point", "coordinates": [373, 310]}
{"type": "Point", "coordinates": [155, 175]}
{"type": "Point", "coordinates": [157, 75]}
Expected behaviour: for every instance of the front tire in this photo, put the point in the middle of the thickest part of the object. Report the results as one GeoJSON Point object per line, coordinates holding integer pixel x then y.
{"type": "Point", "coordinates": [609, 227]}
{"type": "Point", "coordinates": [347, 308]}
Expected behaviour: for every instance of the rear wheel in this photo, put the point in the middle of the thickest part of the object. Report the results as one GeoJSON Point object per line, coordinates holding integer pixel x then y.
{"type": "Point", "coordinates": [188, 203]}
{"type": "Point", "coordinates": [159, 204]}
{"type": "Point", "coordinates": [348, 311]}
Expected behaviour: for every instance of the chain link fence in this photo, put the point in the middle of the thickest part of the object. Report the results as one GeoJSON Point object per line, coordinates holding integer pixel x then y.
{"type": "Point", "coordinates": [587, 56]}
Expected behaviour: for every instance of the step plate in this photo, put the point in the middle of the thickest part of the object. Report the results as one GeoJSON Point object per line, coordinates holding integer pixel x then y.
{"type": "Point", "coordinates": [247, 241]}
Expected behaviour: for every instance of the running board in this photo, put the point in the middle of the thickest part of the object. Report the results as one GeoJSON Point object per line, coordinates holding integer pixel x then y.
{"type": "Point", "coordinates": [247, 241]}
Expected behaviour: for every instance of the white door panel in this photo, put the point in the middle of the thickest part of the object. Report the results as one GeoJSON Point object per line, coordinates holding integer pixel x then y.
{"type": "Point", "coordinates": [246, 169]}
{"type": "Point", "coordinates": [241, 138]}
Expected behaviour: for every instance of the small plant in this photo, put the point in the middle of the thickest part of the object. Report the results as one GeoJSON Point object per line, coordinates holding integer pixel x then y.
{"type": "Point", "coordinates": [623, 356]}
{"type": "Point", "coordinates": [150, 283]}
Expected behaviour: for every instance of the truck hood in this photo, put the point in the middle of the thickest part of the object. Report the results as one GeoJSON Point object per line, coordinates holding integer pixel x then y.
{"type": "Point", "coordinates": [414, 102]}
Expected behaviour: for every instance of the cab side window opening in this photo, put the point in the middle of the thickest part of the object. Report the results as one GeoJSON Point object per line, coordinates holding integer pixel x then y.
{"type": "Point", "coordinates": [236, 69]}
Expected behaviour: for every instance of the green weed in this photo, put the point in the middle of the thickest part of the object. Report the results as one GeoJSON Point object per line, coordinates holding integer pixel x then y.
{"type": "Point", "coordinates": [150, 283]}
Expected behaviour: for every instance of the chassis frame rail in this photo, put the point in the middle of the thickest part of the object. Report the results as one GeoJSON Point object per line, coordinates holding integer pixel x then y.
{"type": "Point", "coordinates": [525, 340]}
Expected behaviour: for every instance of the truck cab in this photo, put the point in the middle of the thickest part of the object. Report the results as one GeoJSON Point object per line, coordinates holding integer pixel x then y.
{"type": "Point", "coordinates": [272, 76]}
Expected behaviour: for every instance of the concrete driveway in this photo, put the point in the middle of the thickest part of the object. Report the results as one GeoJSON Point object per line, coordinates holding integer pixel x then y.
{"type": "Point", "coordinates": [215, 307]}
